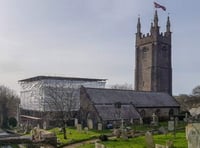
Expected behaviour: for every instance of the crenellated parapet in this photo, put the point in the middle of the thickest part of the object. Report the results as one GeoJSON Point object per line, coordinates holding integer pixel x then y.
{"type": "Point", "coordinates": [155, 35]}
{"type": "Point", "coordinates": [149, 38]}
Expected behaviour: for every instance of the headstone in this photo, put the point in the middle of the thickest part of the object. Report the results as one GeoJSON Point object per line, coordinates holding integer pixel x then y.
{"type": "Point", "coordinates": [149, 140]}
{"type": "Point", "coordinates": [176, 121]}
{"type": "Point", "coordinates": [117, 133]}
{"type": "Point", "coordinates": [100, 126]}
{"type": "Point", "coordinates": [131, 121]}
{"type": "Point", "coordinates": [44, 125]}
{"type": "Point", "coordinates": [162, 130]}
{"type": "Point", "coordinates": [86, 130]}
{"type": "Point", "coordinates": [169, 144]}
{"type": "Point", "coordinates": [122, 124]}
{"type": "Point", "coordinates": [79, 127]}
{"type": "Point", "coordinates": [124, 134]}
{"type": "Point", "coordinates": [160, 146]}
{"type": "Point", "coordinates": [192, 135]}
{"type": "Point", "coordinates": [75, 122]}
{"type": "Point", "coordinates": [99, 145]}
{"type": "Point", "coordinates": [170, 125]}
{"type": "Point", "coordinates": [186, 115]}
{"type": "Point", "coordinates": [141, 121]}
{"type": "Point", "coordinates": [90, 124]}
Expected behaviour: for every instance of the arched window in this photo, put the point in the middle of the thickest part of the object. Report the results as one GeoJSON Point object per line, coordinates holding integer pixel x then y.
{"type": "Point", "coordinates": [164, 52]}
{"type": "Point", "coordinates": [171, 112]}
{"type": "Point", "coordinates": [144, 52]}
{"type": "Point", "coordinates": [158, 112]}
{"type": "Point", "coordinates": [142, 113]}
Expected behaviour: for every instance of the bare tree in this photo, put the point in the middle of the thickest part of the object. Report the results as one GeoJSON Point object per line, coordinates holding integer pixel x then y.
{"type": "Point", "coordinates": [62, 101]}
{"type": "Point", "coordinates": [9, 102]}
{"type": "Point", "coordinates": [124, 86]}
{"type": "Point", "coordinates": [196, 91]}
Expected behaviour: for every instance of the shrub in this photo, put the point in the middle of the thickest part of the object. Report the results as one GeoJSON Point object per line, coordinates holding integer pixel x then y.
{"type": "Point", "coordinates": [103, 138]}
{"type": "Point", "coordinates": [12, 122]}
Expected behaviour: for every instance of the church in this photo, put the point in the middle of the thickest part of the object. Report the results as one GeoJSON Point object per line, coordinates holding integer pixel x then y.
{"type": "Point", "coordinates": [153, 84]}
{"type": "Point", "coordinates": [96, 104]}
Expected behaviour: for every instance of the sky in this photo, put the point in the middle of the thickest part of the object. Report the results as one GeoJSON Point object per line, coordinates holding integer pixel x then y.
{"type": "Point", "coordinates": [93, 39]}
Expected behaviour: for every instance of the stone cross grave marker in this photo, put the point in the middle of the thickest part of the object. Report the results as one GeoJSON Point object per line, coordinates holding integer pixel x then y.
{"type": "Point", "coordinates": [176, 121]}
{"type": "Point", "coordinates": [154, 120]}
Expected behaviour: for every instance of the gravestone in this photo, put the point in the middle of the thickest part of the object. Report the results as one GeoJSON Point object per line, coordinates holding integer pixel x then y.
{"type": "Point", "coordinates": [141, 121]}
{"type": "Point", "coordinates": [176, 121]}
{"type": "Point", "coordinates": [192, 135]}
{"type": "Point", "coordinates": [117, 133]}
{"type": "Point", "coordinates": [100, 126]}
{"type": "Point", "coordinates": [131, 121]}
{"type": "Point", "coordinates": [99, 145]}
{"type": "Point", "coordinates": [86, 130]}
{"type": "Point", "coordinates": [44, 125]}
{"type": "Point", "coordinates": [149, 140]}
{"type": "Point", "coordinates": [75, 122]}
{"type": "Point", "coordinates": [169, 144]}
{"type": "Point", "coordinates": [162, 130]}
{"type": "Point", "coordinates": [79, 127]}
{"type": "Point", "coordinates": [170, 125]}
{"type": "Point", "coordinates": [160, 146]}
{"type": "Point", "coordinates": [186, 117]}
{"type": "Point", "coordinates": [90, 123]}
{"type": "Point", "coordinates": [124, 134]}
{"type": "Point", "coordinates": [154, 120]}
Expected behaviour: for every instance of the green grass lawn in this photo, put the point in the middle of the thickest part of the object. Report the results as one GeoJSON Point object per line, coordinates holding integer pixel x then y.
{"type": "Point", "coordinates": [139, 142]}
{"type": "Point", "coordinates": [74, 136]}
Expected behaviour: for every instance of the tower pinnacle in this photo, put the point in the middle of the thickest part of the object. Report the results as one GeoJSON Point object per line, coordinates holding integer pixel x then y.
{"type": "Point", "coordinates": [168, 25]}
{"type": "Point", "coordinates": [156, 19]}
{"type": "Point", "coordinates": [138, 26]}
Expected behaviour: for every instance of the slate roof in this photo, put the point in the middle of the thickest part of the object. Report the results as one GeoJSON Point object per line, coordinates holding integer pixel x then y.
{"type": "Point", "coordinates": [138, 99]}
{"type": "Point", "coordinates": [109, 112]}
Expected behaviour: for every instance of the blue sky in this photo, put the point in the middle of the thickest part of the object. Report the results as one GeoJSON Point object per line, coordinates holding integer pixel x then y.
{"type": "Point", "coordinates": [93, 39]}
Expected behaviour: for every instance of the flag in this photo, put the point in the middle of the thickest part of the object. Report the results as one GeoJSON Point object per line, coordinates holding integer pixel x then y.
{"type": "Point", "coordinates": [156, 5]}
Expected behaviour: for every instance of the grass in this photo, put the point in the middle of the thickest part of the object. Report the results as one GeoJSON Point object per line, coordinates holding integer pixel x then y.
{"type": "Point", "coordinates": [139, 142]}
{"type": "Point", "coordinates": [179, 140]}
{"type": "Point", "coordinates": [75, 136]}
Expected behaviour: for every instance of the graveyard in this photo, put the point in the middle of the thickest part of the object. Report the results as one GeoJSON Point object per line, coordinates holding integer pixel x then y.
{"type": "Point", "coordinates": [159, 137]}
{"type": "Point", "coordinates": [168, 134]}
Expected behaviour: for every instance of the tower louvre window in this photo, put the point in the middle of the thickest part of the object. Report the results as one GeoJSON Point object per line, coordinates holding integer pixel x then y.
{"type": "Point", "coordinates": [164, 52]}
{"type": "Point", "coordinates": [144, 52]}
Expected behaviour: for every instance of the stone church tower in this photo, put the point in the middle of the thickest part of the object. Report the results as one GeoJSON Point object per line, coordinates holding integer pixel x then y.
{"type": "Point", "coordinates": [153, 70]}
